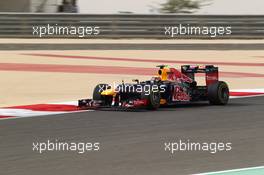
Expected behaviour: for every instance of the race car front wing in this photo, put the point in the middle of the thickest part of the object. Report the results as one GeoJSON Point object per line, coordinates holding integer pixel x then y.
{"type": "Point", "coordinates": [85, 104]}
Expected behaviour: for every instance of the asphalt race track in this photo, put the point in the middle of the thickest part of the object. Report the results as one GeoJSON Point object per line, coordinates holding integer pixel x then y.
{"type": "Point", "coordinates": [133, 142]}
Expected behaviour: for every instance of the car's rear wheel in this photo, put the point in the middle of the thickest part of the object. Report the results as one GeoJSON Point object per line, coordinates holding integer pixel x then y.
{"type": "Point", "coordinates": [218, 93]}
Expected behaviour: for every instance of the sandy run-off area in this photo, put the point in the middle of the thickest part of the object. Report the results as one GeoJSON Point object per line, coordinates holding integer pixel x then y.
{"type": "Point", "coordinates": [30, 77]}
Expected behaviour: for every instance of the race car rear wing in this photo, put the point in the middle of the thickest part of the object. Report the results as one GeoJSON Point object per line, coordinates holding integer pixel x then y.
{"type": "Point", "coordinates": [211, 72]}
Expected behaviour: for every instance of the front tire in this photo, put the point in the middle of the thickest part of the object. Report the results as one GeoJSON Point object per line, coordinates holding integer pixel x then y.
{"type": "Point", "coordinates": [98, 90]}
{"type": "Point", "coordinates": [153, 99]}
{"type": "Point", "coordinates": [218, 93]}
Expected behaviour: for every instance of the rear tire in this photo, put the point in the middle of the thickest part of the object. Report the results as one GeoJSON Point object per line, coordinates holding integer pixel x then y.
{"type": "Point", "coordinates": [218, 93]}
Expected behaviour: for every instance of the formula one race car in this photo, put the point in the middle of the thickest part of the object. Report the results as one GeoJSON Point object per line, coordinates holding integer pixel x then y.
{"type": "Point", "coordinates": [169, 87]}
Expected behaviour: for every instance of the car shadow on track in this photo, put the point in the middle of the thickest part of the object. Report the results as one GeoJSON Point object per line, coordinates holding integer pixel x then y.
{"type": "Point", "coordinates": [179, 106]}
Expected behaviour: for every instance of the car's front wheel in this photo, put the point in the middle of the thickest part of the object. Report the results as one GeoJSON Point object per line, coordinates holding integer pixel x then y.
{"type": "Point", "coordinates": [153, 99]}
{"type": "Point", "coordinates": [98, 90]}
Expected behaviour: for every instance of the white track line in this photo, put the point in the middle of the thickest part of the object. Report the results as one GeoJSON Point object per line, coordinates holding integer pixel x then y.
{"type": "Point", "coordinates": [230, 171]}
{"type": "Point", "coordinates": [25, 113]}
